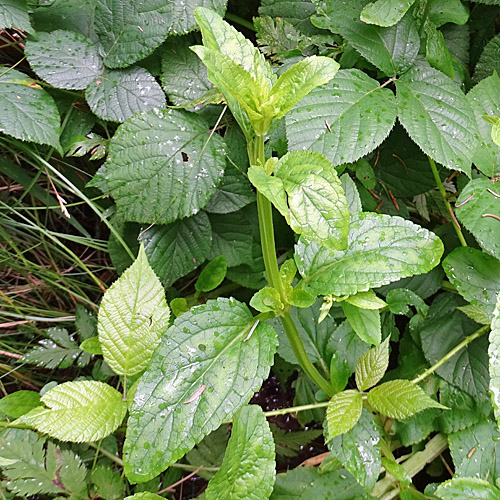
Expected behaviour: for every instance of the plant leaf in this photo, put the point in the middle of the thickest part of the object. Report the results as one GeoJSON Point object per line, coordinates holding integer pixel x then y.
{"type": "Point", "coordinates": [201, 362]}
{"type": "Point", "coordinates": [484, 201]}
{"type": "Point", "coordinates": [438, 117]}
{"type": "Point", "coordinates": [212, 275]}
{"type": "Point", "coordinates": [372, 366]}
{"type": "Point", "coordinates": [472, 488]}
{"type": "Point", "coordinates": [267, 299]}
{"type": "Point", "coordinates": [116, 95]}
{"type": "Point", "coordinates": [344, 119]}
{"type": "Point", "coordinates": [342, 413]}
{"type": "Point", "coordinates": [385, 12]}
{"type": "Point", "coordinates": [494, 360]}
{"type": "Point", "coordinates": [365, 322]}
{"type": "Point", "coordinates": [248, 468]}
{"type": "Point", "coordinates": [380, 249]}
{"type": "Point", "coordinates": [437, 52]}
{"type": "Point", "coordinates": [366, 300]}
{"type": "Point", "coordinates": [64, 59]}
{"type": "Point", "coordinates": [488, 60]}
{"type": "Point", "coordinates": [18, 403]}
{"type": "Point", "coordinates": [183, 13]}
{"type": "Point", "coordinates": [83, 411]}
{"type": "Point", "coordinates": [400, 399]}
{"type": "Point", "coordinates": [132, 317]}
{"type": "Point", "coordinates": [14, 14]}
{"type": "Point", "coordinates": [108, 484]}
{"type": "Point", "coordinates": [163, 165]}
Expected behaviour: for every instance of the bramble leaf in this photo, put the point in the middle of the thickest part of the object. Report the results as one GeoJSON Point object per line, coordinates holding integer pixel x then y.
{"type": "Point", "coordinates": [372, 366]}
{"type": "Point", "coordinates": [14, 14]}
{"type": "Point", "coordinates": [494, 357]}
{"type": "Point", "coordinates": [342, 413]}
{"type": "Point", "coordinates": [488, 61]}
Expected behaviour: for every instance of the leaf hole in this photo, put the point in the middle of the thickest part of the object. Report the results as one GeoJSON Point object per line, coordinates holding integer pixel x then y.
{"type": "Point", "coordinates": [185, 157]}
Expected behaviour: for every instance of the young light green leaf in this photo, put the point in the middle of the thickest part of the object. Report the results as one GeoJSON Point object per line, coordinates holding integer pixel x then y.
{"type": "Point", "coordinates": [212, 275]}
{"type": "Point", "coordinates": [494, 360]}
{"type": "Point", "coordinates": [116, 95]}
{"type": "Point", "coordinates": [27, 112]}
{"type": "Point", "coordinates": [372, 366]}
{"type": "Point", "coordinates": [480, 213]}
{"type": "Point", "coordinates": [342, 413]}
{"type": "Point", "coordinates": [248, 468]}
{"type": "Point", "coordinates": [437, 52]}
{"type": "Point", "coordinates": [366, 300]}
{"type": "Point", "coordinates": [365, 322]}
{"type": "Point", "coordinates": [267, 299]}
{"type": "Point", "coordinates": [467, 488]}
{"type": "Point", "coordinates": [91, 346]}
{"type": "Point", "coordinates": [438, 117]}
{"type": "Point", "coordinates": [476, 313]}
{"type": "Point", "coordinates": [385, 12]}
{"type": "Point", "coordinates": [64, 59]}
{"type": "Point", "coordinates": [209, 364]}
{"type": "Point", "coordinates": [475, 275]}
{"type": "Point", "coordinates": [14, 14]}
{"type": "Point", "coordinates": [344, 119]}
{"type": "Point", "coordinates": [400, 399]}
{"type": "Point", "coordinates": [83, 411]}
{"type": "Point", "coordinates": [18, 403]}
{"type": "Point", "coordinates": [184, 165]}
{"type": "Point", "coordinates": [132, 317]}
{"type": "Point", "coordinates": [380, 249]}
{"type": "Point", "coordinates": [271, 187]}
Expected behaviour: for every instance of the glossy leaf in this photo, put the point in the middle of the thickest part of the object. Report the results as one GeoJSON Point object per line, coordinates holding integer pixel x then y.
{"type": "Point", "coordinates": [14, 14]}
{"type": "Point", "coordinates": [248, 468]}
{"type": "Point", "coordinates": [400, 399]}
{"type": "Point", "coordinates": [204, 369]}
{"type": "Point", "coordinates": [365, 322]}
{"type": "Point", "coordinates": [344, 119]}
{"type": "Point", "coordinates": [372, 366]}
{"type": "Point", "coordinates": [472, 488]}
{"type": "Point", "coordinates": [380, 249]}
{"type": "Point", "coordinates": [132, 317]}
{"type": "Point", "coordinates": [83, 411]}
{"type": "Point", "coordinates": [494, 360]}
{"type": "Point", "coordinates": [342, 413]}
{"type": "Point", "coordinates": [385, 12]}
{"type": "Point", "coordinates": [438, 117]}
{"type": "Point", "coordinates": [184, 164]}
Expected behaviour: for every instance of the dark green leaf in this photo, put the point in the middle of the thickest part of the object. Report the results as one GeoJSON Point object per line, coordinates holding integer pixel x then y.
{"type": "Point", "coordinates": [14, 14]}
{"type": "Point", "coordinates": [437, 52]}
{"type": "Point", "coordinates": [399, 300]}
{"type": "Point", "coordinates": [385, 12]}
{"type": "Point", "coordinates": [108, 484]}
{"type": "Point", "coordinates": [494, 356]}
{"type": "Point", "coordinates": [441, 12]}
{"type": "Point", "coordinates": [296, 13]}
{"type": "Point", "coordinates": [489, 59]}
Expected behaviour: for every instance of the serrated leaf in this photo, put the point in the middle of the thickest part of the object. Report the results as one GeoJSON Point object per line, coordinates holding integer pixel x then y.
{"type": "Point", "coordinates": [391, 49]}
{"type": "Point", "coordinates": [438, 117]}
{"type": "Point", "coordinates": [64, 59]}
{"type": "Point", "coordinates": [437, 52]}
{"type": "Point", "coordinates": [163, 166]}
{"type": "Point", "coordinates": [483, 101]}
{"type": "Point", "coordinates": [359, 450]}
{"type": "Point", "coordinates": [27, 112]}
{"type": "Point", "coordinates": [212, 275]}
{"type": "Point", "coordinates": [18, 403]}
{"type": "Point", "coordinates": [271, 187]}
{"type": "Point", "coordinates": [296, 13]}
{"type": "Point", "coordinates": [132, 317]}
{"type": "Point", "coordinates": [365, 322]}
{"type": "Point", "coordinates": [83, 411]}
{"type": "Point", "coordinates": [344, 119]}
{"type": "Point", "coordinates": [397, 471]}
{"type": "Point", "coordinates": [176, 249]}
{"type": "Point", "coordinates": [129, 31]}
{"type": "Point", "coordinates": [494, 357]}
{"type": "Point", "coordinates": [85, 322]}
{"type": "Point", "coordinates": [385, 12]}
{"type": "Point", "coordinates": [485, 200]}
{"type": "Point", "coordinates": [475, 275]}
{"type": "Point", "coordinates": [472, 488]}
{"type": "Point", "coordinates": [372, 366]}
{"type": "Point", "coordinates": [380, 249]}
{"type": "Point", "coordinates": [488, 62]}
{"type": "Point", "coordinates": [201, 362]}
{"type": "Point", "coordinates": [248, 468]}
{"type": "Point", "coordinates": [476, 313]}
{"type": "Point", "coordinates": [342, 413]}
{"type": "Point", "coordinates": [14, 14]}
{"type": "Point", "coordinates": [107, 483]}
{"type": "Point", "coordinates": [400, 399]}
{"type": "Point", "coordinates": [352, 195]}
{"type": "Point", "coordinates": [288, 444]}
{"type": "Point", "coordinates": [116, 95]}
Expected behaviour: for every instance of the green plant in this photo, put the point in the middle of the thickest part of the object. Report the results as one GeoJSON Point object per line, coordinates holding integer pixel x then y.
{"type": "Point", "coordinates": [308, 203]}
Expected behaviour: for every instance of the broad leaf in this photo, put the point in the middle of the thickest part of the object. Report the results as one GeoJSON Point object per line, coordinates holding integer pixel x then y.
{"type": "Point", "coordinates": [366, 300]}
{"type": "Point", "coordinates": [342, 413]}
{"type": "Point", "coordinates": [400, 399]}
{"type": "Point", "coordinates": [385, 12]}
{"type": "Point", "coordinates": [365, 322]}
{"type": "Point", "coordinates": [494, 357]}
{"type": "Point", "coordinates": [14, 14]}
{"type": "Point", "coordinates": [437, 52]}
{"type": "Point", "coordinates": [475, 275]}
{"type": "Point", "coordinates": [359, 450]}
{"type": "Point", "coordinates": [116, 95]}
{"type": "Point", "coordinates": [380, 249]}
{"type": "Point", "coordinates": [438, 117]}
{"type": "Point", "coordinates": [18, 403]}
{"type": "Point", "coordinates": [488, 61]}
{"type": "Point", "coordinates": [480, 213]}
{"type": "Point", "coordinates": [27, 112]}
{"type": "Point", "coordinates": [132, 317]}
{"type": "Point", "coordinates": [344, 119]}
{"type": "Point", "coordinates": [212, 275]}
{"type": "Point", "coordinates": [176, 249]}
{"type": "Point", "coordinates": [392, 49]}
{"type": "Point", "coordinates": [441, 12]}
{"type": "Point", "coordinates": [183, 16]}
{"type": "Point", "coordinates": [144, 495]}
{"type": "Point", "coordinates": [471, 488]}
{"type": "Point", "coordinates": [296, 13]}
{"type": "Point", "coordinates": [372, 366]}
{"type": "Point", "coordinates": [83, 411]}
{"type": "Point", "coordinates": [205, 368]}
{"type": "Point", "coordinates": [248, 468]}
{"type": "Point", "coordinates": [163, 165]}
{"type": "Point", "coordinates": [64, 59]}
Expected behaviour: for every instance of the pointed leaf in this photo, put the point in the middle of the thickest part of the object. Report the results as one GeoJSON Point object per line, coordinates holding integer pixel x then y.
{"type": "Point", "coordinates": [365, 322]}
{"type": "Point", "coordinates": [494, 357]}
{"type": "Point", "coordinates": [385, 12]}
{"type": "Point", "coordinates": [206, 367]}
{"type": "Point", "coordinates": [467, 488]}
{"type": "Point", "coordinates": [344, 119]}
{"type": "Point", "coordinates": [163, 165]}
{"type": "Point", "coordinates": [183, 13]}
{"type": "Point", "coordinates": [248, 468]}
{"type": "Point", "coordinates": [400, 399]}
{"type": "Point", "coordinates": [342, 413]}
{"type": "Point", "coordinates": [372, 366]}
{"type": "Point", "coordinates": [438, 117]}
{"type": "Point", "coordinates": [380, 249]}
{"type": "Point", "coordinates": [132, 317]}
{"type": "Point", "coordinates": [83, 411]}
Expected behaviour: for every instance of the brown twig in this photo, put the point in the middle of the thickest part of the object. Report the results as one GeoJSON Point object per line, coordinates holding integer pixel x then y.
{"type": "Point", "coordinates": [171, 488]}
